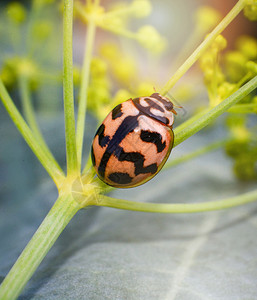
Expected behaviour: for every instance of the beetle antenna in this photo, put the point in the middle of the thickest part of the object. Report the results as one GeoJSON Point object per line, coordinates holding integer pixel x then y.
{"type": "Point", "coordinates": [176, 105]}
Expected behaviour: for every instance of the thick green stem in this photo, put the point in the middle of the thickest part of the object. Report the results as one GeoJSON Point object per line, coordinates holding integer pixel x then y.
{"type": "Point", "coordinates": [71, 153]}
{"type": "Point", "coordinates": [177, 208]}
{"type": "Point", "coordinates": [203, 46]}
{"type": "Point", "coordinates": [44, 157]}
{"type": "Point", "coordinates": [83, 90]}
{"type": "Point", "coordinates": [212, 114]}
{"type": "Point", "coordinates": [52, 226]}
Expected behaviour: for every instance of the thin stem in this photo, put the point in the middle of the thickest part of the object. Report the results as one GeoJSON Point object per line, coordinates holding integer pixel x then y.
{"type": "Point", "coordinates": [83, 90]}
{"type": "Point", "coordinates": [88, 164]}
{"type": "Point", "coordinates": [30, 117]}
{"type": "Point", "coordinates": [27, 106]}
{"type": "Point", "coordinates": [203, 46]}
{"type": "Point", "coordinates": [71, 153]}
{"type": "Point", "coordinates": [120, 31]}
{"type": "Point", "coordinates": [212, 114]}
{"type": "Point", "coordinates": [178, 208]}
{"type": "Point", "coordinates": [43, 156]}
{"type": "Point", "coordinates": [33, 16]}
{"type": "Point", "coordinates": [211, 147]}
{"type": "Point", "coordinates": [120, 12]}
{"type": "Point", "coordinates": [52, 226]}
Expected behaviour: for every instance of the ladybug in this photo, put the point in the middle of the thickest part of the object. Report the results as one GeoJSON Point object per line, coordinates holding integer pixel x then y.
{"type": "Point", "coordinates": [134, 141]}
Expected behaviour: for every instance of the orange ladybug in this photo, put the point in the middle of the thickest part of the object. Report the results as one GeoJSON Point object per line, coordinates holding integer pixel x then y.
{"type": "Point", "coordinates": [134, 141]}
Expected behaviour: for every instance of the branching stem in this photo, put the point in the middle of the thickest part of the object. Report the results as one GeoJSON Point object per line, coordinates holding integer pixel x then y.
{"type": "Point", "coordinates": [212, 114]}
{"type": "Point", "coordinates": [52, 226]}
{"type": "Point", "coordinates": [178, 208]}
{"type": "Point", "coordinates": [41, 153]}
{"type": "Point", "coordinates": [31, 118]}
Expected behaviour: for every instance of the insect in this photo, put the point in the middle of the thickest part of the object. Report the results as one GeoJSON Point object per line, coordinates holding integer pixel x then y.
{"type": "Point", "coordinates": [134, 141]}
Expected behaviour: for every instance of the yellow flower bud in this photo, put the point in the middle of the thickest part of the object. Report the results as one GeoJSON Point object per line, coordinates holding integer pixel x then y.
{"type": "Point", "coordinates": [248, 46]}
{"type": "Point", "coordinates": [226, 89]}
{"type": "Point", "coordinates": [141, 8]}
{"type": "Point", "coordinates": [42, 29]}
{"type": "Point", "coordinates": [252, 67]}
{"type": "Point", "coordinates": [109, 51]}
{"type": "Point", "coordinates": [98, 67]}
{"type": "Point", "coordinates": [16, 12]}
{"type": "Point", "coordinates": [208, 75]}
{"type": "Point", "coordinates": [7, 76]}
{"type": "Point", "coordinates": [235, 63]}
{"type": "Point", "coordinates": [250, 10]}
{"type": "Point", "coordinates": [206, 18]}
{"type": "Point", "coordinates": [124, 69]}
{"type": "Point", "coordinates": [149, 38]}
{"type": "Point", "coordinates": [145, 88]}
{"type": "Point", "coordinates": [241, 133]}
{"type": "Point", "coordinates": [27, 68]}
{"type": "Point", "coordinates": [244, 168]}
{"type": "Point", "coordinates": [220, 42]}
{"type": "Point", "coordinates": [207, 61]}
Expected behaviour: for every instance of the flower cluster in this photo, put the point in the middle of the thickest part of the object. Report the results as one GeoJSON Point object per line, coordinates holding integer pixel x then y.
{"type": "Point", "coordinates": [117, 20]}
{"type": "Point", "coordinates": [122, 69]}
{"type": "Point", "coordinates": [114, 69]}
{"type": "Point", "coordinates": [223, 75]}
{"type": "Point", "coordinates": [38, 32]}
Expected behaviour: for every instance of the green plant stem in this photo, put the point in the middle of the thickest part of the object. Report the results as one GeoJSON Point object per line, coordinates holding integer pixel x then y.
{"type": "Point", "coordinates": [33, 16]}
{"type": "Point", "coordinates": [83, 90]}
{"type": "Point", "coordinates": [203, 46]}
{"type": "Point", "coordinates": [43, 156]}
{"type": "Point", "coordinates": [27, 107]}
{"type": "Point", "coordinates": [178, 208]}
{"type": "Point", "coordinates": [198, 152]}
{"type": "Point", "coordinates": [71, 153]}
{"type": "Point", "coordinates": [30, 117]}
{"type": "Point", "coordinates": [212, 114]}
{"type": "Point", "coordinates": [54, 223]}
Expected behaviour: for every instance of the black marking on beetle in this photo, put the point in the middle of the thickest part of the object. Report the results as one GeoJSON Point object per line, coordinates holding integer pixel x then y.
{"type": "Point", "coordinates": [153, 137]}
{"type": "Point", "coordinates": [147, 111]}
{"type": "Point", "coordinates": [120, 178]}
{"type": "Point", "coordinates": [103, 163]}
{"type": "Point", "coordinates": [93, 156]}
{"type": "Point", "coordinates": [103, 139]}
{"type": "Point", "coordinates": [167, 104]}
{"type": "Point", "coordinates": [138, 159]}
{"type": "Point", "coordinates": [153, 104]}
{"type": "Point", "coordinates": [116, 112]}
{"type": "Point", "coordinates": [127, 125]}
